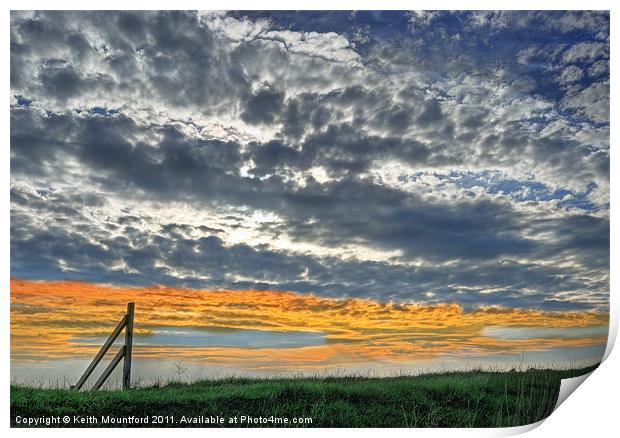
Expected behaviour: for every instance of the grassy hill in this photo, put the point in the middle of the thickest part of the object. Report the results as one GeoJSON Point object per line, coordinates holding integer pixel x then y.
{"type": "Point", "coordinates": [462, 399]}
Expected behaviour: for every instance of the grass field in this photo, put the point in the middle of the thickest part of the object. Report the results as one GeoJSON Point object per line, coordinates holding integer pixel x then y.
{"type": "Point", "coordinates": [462, 399]}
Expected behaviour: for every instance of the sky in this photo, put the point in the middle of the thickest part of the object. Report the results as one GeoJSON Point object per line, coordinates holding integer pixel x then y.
{"type": "Point", "coordinates": [427, 158]}
{"type": "Point", "coordinates": [57, 327]}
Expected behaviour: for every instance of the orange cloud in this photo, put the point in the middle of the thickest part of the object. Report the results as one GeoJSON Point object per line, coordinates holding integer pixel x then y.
{"type": "Point", "coordinates": [46, 317]}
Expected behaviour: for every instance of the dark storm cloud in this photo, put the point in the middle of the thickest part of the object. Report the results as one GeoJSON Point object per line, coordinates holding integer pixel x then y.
{"type": "Point", "coordinates": [590, 235]}
{"type": "Point", "coordinates": [431, 115]}
{"type": "Point", "coordinates": [263, 107]}
{"type": "Point", "coordinates": [181, 62]}
{"type": "Point", "coordinates": [61, 82]}
{"type": "Point", "coordinates": [111, 147]}
{"type": "Point", "coordinates": [343, 213]}
{"type": "Point", "coordinates": [170, 257]}
{"type": "Point", "coordinates": [334, 214]}
{"type": "Point", "coordinates": [340, 149]}
{"type": "Point", "coordinates": [181, 168]}
{"type": "Point", "coordinates": [185, 111]}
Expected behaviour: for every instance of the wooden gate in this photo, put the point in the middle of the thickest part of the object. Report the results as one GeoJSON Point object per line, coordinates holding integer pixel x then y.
{"type": "Point", "coordinates": [124, 353]}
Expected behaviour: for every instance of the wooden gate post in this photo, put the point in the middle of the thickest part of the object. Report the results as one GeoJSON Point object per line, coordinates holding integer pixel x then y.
{"type": "Point", "coordinates": [128, 347]}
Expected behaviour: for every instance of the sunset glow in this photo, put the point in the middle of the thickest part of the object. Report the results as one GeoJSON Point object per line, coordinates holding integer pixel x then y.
{"type": "Point", "coordinates": [47, 317]}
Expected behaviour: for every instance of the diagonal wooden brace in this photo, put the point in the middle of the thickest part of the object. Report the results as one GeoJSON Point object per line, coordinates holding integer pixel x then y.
{"type": "Point", "coordinates": [104, 349]}
{"type": "Point", "coordinates": [106, 373]}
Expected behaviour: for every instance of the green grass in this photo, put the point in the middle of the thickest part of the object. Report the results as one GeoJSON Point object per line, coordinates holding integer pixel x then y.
{"type": "Point", "coordinates": [461, 399]}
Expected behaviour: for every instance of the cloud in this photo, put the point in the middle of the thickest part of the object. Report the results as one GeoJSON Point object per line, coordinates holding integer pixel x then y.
{"type": "Point", "coordinates": [232, 150]}
{"type": "Point", "coordinates": [82, 239]}
{"type": "Point", "coordinates": [586, 51]}
{"type": "Point", "coordinates": [354, 330]}
{"type": "Point", "coordinates": [263, 107]}
{"type": "Point", "coordinates": [570, 74]}
{"type": "Point", "coordinates": [592, 102]}
{"type": "Point", "coordinates": [328, 45]}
